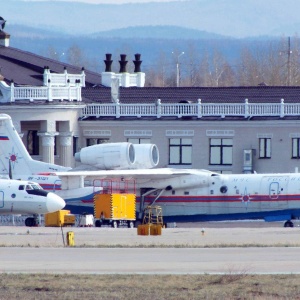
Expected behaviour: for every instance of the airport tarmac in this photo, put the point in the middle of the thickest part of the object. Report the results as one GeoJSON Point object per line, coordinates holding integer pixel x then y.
{"type": "Point", "coordinates": [215, 248]}
{"type": "Point", "coordinates": [262, 260]}
{"type": "Point", "coordinates": [216, 234]}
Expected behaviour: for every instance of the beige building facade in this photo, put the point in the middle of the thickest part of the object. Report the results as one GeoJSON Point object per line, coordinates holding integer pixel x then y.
{"type": "Point", "coordinates": [57, 109]}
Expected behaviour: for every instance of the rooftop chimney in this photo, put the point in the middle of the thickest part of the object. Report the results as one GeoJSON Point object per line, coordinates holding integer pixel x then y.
{"type": "Point", "coordinates": [108, 62]}
{"type": "Point", "coordinates": [4, 37]}
{"type": "Point", "coordinates": [137, 63]}
{"type": "Point", "coordinates": [123, 62]}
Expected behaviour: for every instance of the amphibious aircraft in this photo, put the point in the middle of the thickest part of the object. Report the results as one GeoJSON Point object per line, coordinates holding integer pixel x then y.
{"type": "Point", "coordinates": [183, 194]}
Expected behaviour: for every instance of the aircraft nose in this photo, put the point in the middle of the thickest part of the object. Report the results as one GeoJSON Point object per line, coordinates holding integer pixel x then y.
{"type": "Point", "coordinates": [54, 202]}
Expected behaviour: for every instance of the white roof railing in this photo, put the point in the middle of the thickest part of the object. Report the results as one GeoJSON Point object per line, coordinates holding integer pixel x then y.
{"type": "Point", "coordinates": [60, 87]}
{"type": "Point", "coordinates": [199, 109]}
{"type": "Point", "coordinates": [63, 79]}
{"type": "Point", "coordinates": [45, 93]}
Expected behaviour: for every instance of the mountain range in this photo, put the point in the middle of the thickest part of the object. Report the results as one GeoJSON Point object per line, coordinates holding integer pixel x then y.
{"type": "Point", "coordinates": [155, 30]}
{"type": "Point", "coordinates": [231, 18]}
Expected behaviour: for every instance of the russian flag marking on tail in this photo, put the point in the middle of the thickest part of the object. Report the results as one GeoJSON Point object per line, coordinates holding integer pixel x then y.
{"type": "Point", "coordinates": [4, 138]}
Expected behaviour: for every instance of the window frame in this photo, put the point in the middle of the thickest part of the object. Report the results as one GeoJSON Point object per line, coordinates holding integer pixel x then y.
{"type": "Point", "coordinates": [99, 141]}
{"type": "Point", "coordinates": [221, 147]}
{"type": "Point", "coordinates": [138, 140]}
{"type": "Point", "coordinates": [265, 148]}
{"type": "Point", "coordinates": [297, 140]}
{"type": "Point", "coordinates": [181, 147]}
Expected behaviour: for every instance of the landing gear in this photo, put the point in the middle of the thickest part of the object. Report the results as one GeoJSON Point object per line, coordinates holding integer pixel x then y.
{"type": "Point", "coordinates": [31, 222]}
{"type": "Point", "coordinates": [288, 223]}
{"type": "Point", "coordinates": [98, 223]}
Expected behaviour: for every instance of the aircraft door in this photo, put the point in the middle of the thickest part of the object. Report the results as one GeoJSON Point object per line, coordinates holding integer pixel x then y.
{"type": "Point", "coordinates": [274, 190]}
{"type": "Point", "coordinates": [56, 185]}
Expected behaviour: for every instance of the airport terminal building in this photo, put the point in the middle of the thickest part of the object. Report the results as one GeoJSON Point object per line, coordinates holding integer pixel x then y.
{"type": "Point", "coordinates": [58, 109]}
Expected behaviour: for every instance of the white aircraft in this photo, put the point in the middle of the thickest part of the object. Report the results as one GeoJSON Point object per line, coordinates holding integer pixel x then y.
{"type": "Point", "coordinates": [24, 197]}
{"type": "Point", "coordinates": [183, 194]}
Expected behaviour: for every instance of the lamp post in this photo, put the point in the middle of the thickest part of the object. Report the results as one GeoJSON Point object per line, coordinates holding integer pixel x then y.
{"type": "Point", "coordinates": [177, 68]}
{"type": "Point", "coordinates": [58, 55]}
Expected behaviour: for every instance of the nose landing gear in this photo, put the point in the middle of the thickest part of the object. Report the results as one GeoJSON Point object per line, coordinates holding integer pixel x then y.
{"type": "Point", "coordinates": [32, 221]}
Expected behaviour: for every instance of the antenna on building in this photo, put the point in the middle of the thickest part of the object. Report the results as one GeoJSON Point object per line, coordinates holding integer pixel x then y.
{"type": "Point", "coordinates": [288, 52]}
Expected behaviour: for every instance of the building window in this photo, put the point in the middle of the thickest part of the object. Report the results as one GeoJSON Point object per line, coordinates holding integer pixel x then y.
{"type": "Point", "coordinates": [296, 148]}
{"type": "Point", "coordinates": [139, 141]}
{"type": "Point", "coordinates": [264, 148]}
{"type": "Point", "coordinates": [95, 141]}
{"type": "Point", "coordinates": [220, 152]}
{"type": "Point", "coordinates": [55, 145]}
{"type": "Point", "coordinates": [180, 151]}
{"type": "Point", "coordinates": [33, 145]}
{"type": "Point", "coordinates": [75, 144]}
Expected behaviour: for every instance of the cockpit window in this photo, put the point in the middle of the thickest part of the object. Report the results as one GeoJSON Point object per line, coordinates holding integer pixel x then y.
{"type": "Point", "coordinates": [36, 187]}
{"type": "Point", "coordinates": [21, 187]}
{"type": "Point", "coordinates": [29, 187]}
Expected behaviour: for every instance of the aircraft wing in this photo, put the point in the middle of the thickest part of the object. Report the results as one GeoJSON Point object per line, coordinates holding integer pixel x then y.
{"type": "Point", "coordinates": [157, 177]}
{"type": "Point", "coordinates": [160, 173]}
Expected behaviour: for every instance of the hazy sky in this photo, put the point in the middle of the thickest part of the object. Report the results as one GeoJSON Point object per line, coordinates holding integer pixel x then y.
{"type": "Point", "coordinates": [108, 1]}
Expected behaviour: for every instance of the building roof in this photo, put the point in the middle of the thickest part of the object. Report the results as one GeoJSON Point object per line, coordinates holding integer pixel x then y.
{"type": "Point", "coordinates": [254, 94]}
{"type": "Point", "coordinates": [26, 68]}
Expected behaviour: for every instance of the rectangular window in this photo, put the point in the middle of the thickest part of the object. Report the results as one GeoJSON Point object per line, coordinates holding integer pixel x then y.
{"type": "Point", "coordinates": [75, 144]}
{"type": "Point", "coordinates": [180, 151]}
{"type": "Point", "coordinates": [220, 151]}
{"type": "Point", "coordinates": [95, 141]}
{"type": "Point", "coordinates": [296, 148]}
{"type": "Point", "coordinates": [55, 145]}
{"type": "Point", "coordinates": [139, 141]}
{"type": "Point", "coordinates": [33, 145]}
{"type": "Point", "coordinates": [264, 148]}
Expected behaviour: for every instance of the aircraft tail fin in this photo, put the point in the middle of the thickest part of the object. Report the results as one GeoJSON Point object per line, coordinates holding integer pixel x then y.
{"type": "Point", "coordinates": [14, 153]}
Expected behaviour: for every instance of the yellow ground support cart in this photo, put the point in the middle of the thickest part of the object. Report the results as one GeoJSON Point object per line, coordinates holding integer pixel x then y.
{"type": "Point", "coordinates": [115, 207]}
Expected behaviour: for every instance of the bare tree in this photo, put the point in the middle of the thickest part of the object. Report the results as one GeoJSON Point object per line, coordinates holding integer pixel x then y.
{"type": "Point", "coordinates": [53, 53]}
{"type": "Point", "coordinates": [76, 57]}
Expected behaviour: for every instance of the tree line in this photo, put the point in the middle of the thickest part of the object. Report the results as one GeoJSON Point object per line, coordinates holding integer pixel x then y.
{"type": "Point", "coordinates": [275, 62]}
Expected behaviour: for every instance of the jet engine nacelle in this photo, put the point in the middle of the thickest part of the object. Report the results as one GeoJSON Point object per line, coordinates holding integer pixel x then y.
{"type": "Point", "coordinates": [146, 156]}
{"type": "Point", "coordinates": [119, 156]}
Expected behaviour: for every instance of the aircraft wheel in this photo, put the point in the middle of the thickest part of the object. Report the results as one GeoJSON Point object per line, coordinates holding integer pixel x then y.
{"type": "Point", "coordinates": [130, 224]}
{"type": "Point", "coordinates": [30, 222]}
{"type": "Point", "coordinates": [288, 223]}
{"type": "Point", "coordinates": [98, 223]}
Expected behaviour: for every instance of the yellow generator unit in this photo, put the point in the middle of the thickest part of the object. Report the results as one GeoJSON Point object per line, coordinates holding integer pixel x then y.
{"type": "Point", "coordinates": [116, 210]}
{"type": "Point", "coordinates": [59, 218]}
